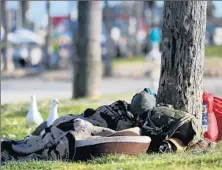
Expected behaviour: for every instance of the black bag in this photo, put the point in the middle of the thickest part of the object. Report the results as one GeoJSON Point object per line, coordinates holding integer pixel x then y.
{"type": "Point", "coordinates": [164, 122]}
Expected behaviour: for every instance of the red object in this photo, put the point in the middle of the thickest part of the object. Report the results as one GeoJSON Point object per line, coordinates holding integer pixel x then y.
{"type": "Point", "coordinates": [212, 132]}
{"type": "Point", "coordinates": [218, 114]}
{"type": "Point", "coordinates": [56, 20]}
{"type": "Point", "coordinates": [208, 99]}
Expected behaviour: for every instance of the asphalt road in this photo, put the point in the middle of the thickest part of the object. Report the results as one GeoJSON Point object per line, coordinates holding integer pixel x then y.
{"type": "Point", "coordinates": [20, 90]}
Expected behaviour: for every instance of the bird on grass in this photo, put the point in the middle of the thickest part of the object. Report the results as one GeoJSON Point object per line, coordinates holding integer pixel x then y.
{"type": "Point", "coordinates": [53, 114]}
{"type": "Point", "coordinates": [33, 117]}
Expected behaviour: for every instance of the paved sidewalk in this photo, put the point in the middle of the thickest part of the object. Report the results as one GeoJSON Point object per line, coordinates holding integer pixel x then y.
{"type": "Point", "coordinates": [20, 90]}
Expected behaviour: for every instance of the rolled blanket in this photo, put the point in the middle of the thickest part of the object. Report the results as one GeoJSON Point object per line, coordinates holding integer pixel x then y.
{"type": "Point", "coordinates": [57, 143]}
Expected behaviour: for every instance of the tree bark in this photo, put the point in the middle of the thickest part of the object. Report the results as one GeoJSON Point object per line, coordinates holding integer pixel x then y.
{"type": "Point", "coordinates": [183, 37]}
{"type": "Point", "coordinates": [87, 64]}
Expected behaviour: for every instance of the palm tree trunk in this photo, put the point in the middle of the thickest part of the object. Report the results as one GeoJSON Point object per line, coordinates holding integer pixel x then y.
{"type": "Point", "coordinates": [109, 46]}
{"type": "Point", "coordinates": [5, 40]}
{"type": "Point", "coordinates": [24, 5]}
{"type": "Point", "coordinates": [47, 38]}
{"type": "Point", "coordinates": [87, 65]}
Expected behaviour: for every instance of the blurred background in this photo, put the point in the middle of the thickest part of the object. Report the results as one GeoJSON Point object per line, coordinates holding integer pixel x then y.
{"type": "Point", "coordinates": [38, 47]}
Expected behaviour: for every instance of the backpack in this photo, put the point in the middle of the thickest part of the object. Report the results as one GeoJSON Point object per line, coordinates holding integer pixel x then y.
{"type": "Point", "coordinates": [164, 122]}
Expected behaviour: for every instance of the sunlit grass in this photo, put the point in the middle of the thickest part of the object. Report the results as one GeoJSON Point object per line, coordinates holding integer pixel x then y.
{"type": "Point", "coordinates": [14, 126]}
{"type": "Point", "coordinates": [213, 51]}
{"type": "Point", "coordinates": [13, 116]}
{"type": "Point", "coordinates": [210, 51]}
{"type": "Point", "coordinates": [211, 159]}
{"type": "Point", "coordinates": [13, 123]}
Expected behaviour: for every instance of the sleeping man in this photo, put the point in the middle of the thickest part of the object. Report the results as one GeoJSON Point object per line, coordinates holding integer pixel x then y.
{"type": "Point", "coordinates": [169, 129]}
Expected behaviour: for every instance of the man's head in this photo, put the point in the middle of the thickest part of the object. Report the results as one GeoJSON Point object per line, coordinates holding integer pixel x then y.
{"type": "Point", "coordinates": [141, 103]}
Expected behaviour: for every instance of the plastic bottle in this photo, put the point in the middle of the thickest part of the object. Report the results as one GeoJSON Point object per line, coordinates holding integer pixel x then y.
{"type": "Point", "coordinates": [209, 122]}
{"type": "Point", "coordinates": [204, 118]}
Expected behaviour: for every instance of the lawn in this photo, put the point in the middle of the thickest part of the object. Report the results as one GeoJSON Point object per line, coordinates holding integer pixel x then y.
{"type": "Point", "coordinates": [213, 51]}
{"type": "Point", "coordinates": [136, 66]}
{"type": "Point", "coordinates": [210, 51]}
{"type": "Point", "coordinates": [13, 126]}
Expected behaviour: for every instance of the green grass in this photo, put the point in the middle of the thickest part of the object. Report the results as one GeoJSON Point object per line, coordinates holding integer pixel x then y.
{"type": "Point", "coordinates": [137, 59]}
{"type": "Point", "coordinates": [13, 126]}
{"type": "Point", "coordinates": [211, 159]}
{"type": "Point", "coordinates": [213, 51]}
{"type": "Point", "coordinates": [210, 51]}
{"type": "Point", "coordinates": [13, 116]}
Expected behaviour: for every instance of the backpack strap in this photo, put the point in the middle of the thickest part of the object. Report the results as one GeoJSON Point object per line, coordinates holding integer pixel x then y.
{"type": "Point", "coordinates": [177, 125]}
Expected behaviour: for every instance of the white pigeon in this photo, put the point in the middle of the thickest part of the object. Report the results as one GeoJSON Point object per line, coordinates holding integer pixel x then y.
{"type": "Point", "coordinates": [33, 116]}
{"type": "Point", "coordinates": [53, 114]}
